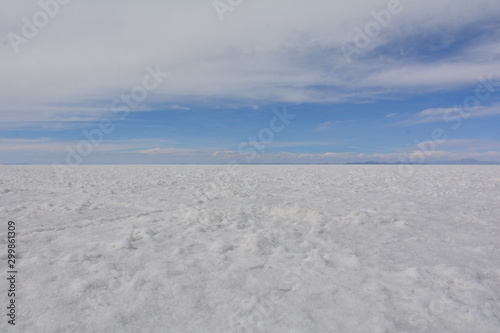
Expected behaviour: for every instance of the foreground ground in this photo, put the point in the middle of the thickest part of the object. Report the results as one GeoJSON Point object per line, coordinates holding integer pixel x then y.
{"type": "Point", "coordinates": [253, 249]}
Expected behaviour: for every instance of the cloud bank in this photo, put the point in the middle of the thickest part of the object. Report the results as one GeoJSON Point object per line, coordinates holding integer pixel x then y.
{"type": "Point", "coordinates": [289, 51]}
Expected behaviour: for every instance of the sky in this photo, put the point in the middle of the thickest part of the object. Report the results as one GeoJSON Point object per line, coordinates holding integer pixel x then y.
{"type": "Point", "coordinates": [249, 81]}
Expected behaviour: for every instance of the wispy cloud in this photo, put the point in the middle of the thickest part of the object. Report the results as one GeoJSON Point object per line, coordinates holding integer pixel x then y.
{"type": "Point", "coordinates": [45, 145]}
{"type": "Point", "coordinates": [425, 76]}
{"type": "Point", "coordinates": [178, 107]}
{"type": "Point", "coordinates": [462, 145]}
{"type": "Point", "coordinates": [169, 151]}
{"type": "Point", "coordinates": [269, 62]}
{"type": "Point", "coordinates": [328, 125]}
{"type": "Point", "coordinates": [11, 141]}
{"type": "Point", "coordinates": [133, 154]}
{"type": "Point", "coordinates": [447, 114]}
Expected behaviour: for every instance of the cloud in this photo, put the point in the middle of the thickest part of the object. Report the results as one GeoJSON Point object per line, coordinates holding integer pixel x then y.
{"type": "Point", "coordinates": [451, 114]}
{"type": "Point", "coordinates": [444, 76]}
{"type": "Point", "coordinates": [439, 156]}
{"type": "Point", "coordinates": [461, 145]}
{"type": "Point", "coordinates": [178, 107]}
{"type": "Point", "coordinates": [92, 52]}
{"type": "Point", "coordinates": [139, 152]}
{"type": "Point", "coordinates": [45, 145]}
{"type": "Point", "coordinates": [168, 151]}
{"type": "Point", "coordinates": [11, 141]}
{"type": "Point", "coordinates": [328, 125]}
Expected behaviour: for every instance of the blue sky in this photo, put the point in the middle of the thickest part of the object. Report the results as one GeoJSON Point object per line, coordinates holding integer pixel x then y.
{"type": "Point", "coordinates": [227, 81]}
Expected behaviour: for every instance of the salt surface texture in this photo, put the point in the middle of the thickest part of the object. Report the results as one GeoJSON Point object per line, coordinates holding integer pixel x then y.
{"type": "Point", "coordinates": [253, 249]}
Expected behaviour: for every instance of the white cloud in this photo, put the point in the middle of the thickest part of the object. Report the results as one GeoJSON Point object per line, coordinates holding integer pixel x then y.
{"type": "Point", "coordinates": [444, 76]}
{"type": "Point", "coordinates": [169, 151]}
{"type": "Point", "coordinates": [281, 50]}
{"type": "Point", "coordinates": [178, 107]}
{"type": "Point", "coordinates": [451, 114]}
{"type": "Point", "coordinates": [11, 141]}
{"type": "Point", "coordinates": [140, 152]}
{"type": "Point", "coordinates": [461, 145]}
{"type": "Point", "coordinates": [328, 125]}
{"type": "Point", "coordinates": [45, 145]}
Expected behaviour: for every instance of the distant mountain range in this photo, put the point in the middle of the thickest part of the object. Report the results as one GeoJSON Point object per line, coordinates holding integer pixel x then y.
{"type": "Point", "coordinates": [374, 163]}
{"type": "Point", "coordinates": [464, 161]}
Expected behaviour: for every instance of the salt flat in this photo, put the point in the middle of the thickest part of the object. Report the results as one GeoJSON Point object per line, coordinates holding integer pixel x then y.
{"type": "Point", "coordinates": [253, 248]}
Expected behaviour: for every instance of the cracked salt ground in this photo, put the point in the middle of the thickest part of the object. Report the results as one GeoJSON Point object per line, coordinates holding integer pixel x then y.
{"type": "Point", "coordinates": [270, 249]}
